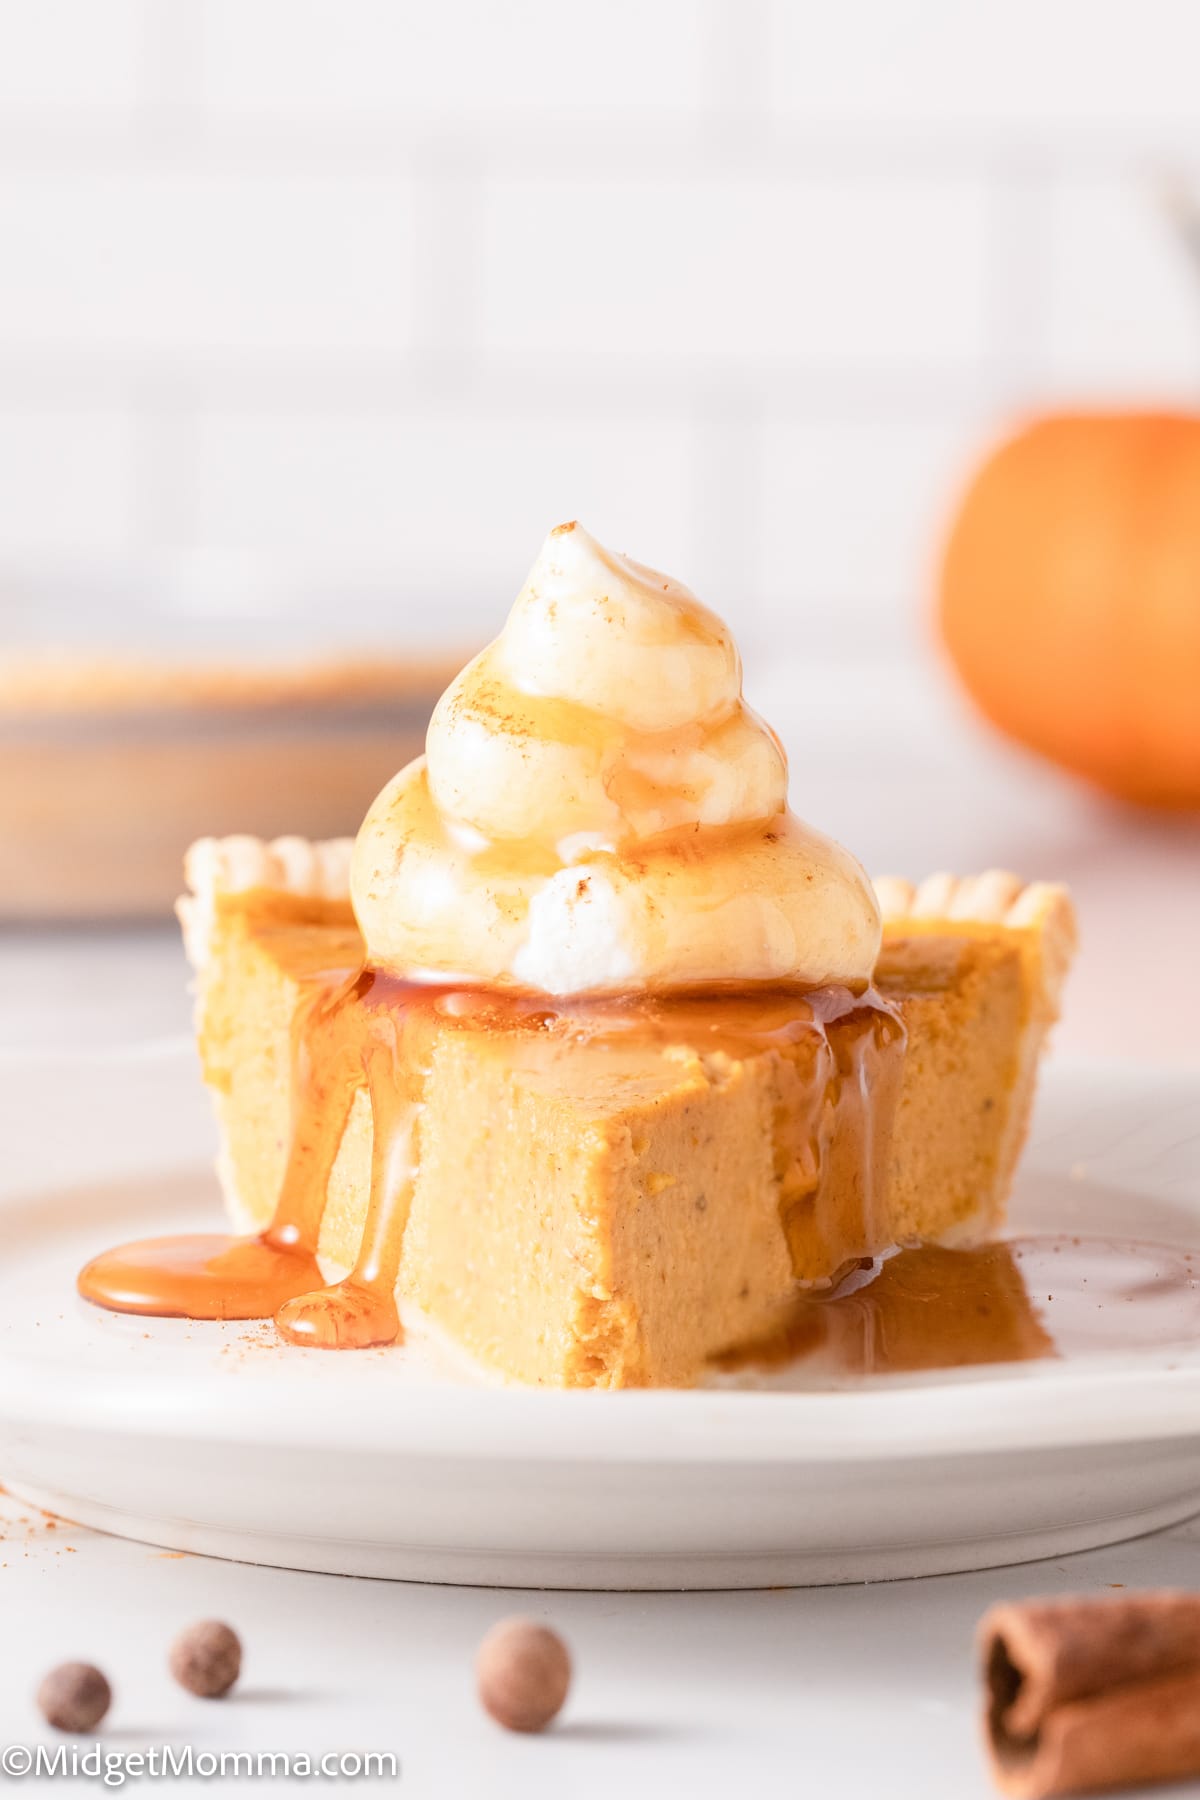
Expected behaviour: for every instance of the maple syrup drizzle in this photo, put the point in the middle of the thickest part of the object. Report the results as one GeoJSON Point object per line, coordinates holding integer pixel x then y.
{"type": "Point", "coordinates": [361, 1310]}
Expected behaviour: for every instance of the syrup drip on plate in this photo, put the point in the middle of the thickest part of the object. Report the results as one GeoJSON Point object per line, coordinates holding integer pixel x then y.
{"type": "Point", "coordinates": [200, 1276]}
{"type": "Point", "coordinates": [1022, 1300]}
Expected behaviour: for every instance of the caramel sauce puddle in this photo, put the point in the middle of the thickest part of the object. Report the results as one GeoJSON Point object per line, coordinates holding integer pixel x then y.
{"type": "Point", "coordinates": [1020, 1299]}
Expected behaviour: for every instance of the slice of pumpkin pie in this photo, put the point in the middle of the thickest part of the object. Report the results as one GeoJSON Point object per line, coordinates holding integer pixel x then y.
{"type": "Point", "coordinates": [587, 1049]}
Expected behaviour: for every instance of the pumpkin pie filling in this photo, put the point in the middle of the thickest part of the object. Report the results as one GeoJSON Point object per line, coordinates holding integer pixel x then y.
{"type": "Point", "coordinates": [600, 1097]}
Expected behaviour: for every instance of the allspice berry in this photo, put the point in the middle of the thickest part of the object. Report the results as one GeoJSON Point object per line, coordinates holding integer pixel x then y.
{"type": "Point", "coordinates": [206, 1659]}
{"type": "Point", "coordinates": [74, 1697]}
{"type": "Point", "coordinates": [523, 1670]}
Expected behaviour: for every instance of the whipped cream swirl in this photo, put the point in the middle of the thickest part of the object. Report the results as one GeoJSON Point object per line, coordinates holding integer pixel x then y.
{"type": "Point", "coordinates": [599, 809]}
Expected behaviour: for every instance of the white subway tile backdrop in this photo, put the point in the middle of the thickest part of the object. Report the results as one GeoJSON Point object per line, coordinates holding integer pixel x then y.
{"type": "Point", "coordinates": [303, 296]}
{"type": "Point", "coordinates": [66, 56]}
{"type": "Point", "coordinates": [383, 65]}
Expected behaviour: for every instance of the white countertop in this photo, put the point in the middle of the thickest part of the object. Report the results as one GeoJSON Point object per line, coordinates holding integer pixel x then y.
{"type": "Point", "coordinates": [856, 1692]}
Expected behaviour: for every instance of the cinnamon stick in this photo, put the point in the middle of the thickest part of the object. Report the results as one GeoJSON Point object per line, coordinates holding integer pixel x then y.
{"type": "Point", "coordinates": [1085, 1695]}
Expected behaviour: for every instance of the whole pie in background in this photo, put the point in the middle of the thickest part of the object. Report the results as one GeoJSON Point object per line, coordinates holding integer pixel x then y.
{"type": "Point", "coordinates": [116, 765]}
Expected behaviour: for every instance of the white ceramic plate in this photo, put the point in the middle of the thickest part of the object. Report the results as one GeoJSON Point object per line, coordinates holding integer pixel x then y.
{"type": "Point", "coordinates": [213, 1438]}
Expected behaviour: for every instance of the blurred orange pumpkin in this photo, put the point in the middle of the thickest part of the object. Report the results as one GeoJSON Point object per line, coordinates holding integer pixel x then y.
{"type": "Point", "coordinates": [1070, 598]}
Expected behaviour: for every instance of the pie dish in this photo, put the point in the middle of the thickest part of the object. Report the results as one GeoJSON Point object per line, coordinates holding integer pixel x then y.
{"type": "Point", "coordinates": [587, 1048]}
{"type": "Point", "coordinates": [119, 765]}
